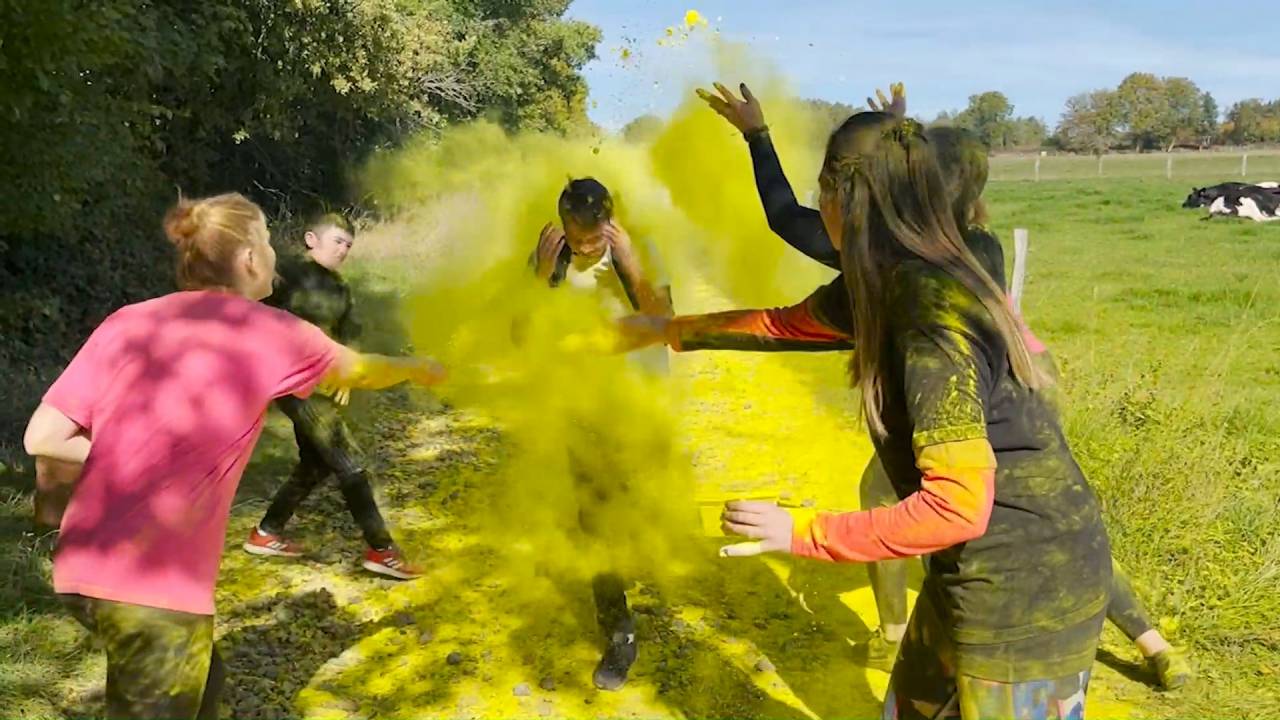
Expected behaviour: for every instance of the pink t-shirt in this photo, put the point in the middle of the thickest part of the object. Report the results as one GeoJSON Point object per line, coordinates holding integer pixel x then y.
{"type": "Point", "coordinates": [173, 392]}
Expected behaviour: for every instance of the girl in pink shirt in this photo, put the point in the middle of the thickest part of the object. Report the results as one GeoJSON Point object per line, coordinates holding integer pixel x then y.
{"type": "Point", "coordinates": [163, 406]}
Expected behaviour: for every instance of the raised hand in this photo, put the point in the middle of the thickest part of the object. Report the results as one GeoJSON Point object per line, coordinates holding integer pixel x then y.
{"type": "Point", "coordinates": [550, 243]}
{"type": "Point", "coordinates": [745, 114]}
{"type": "Point", "coordinates": [896, 106]}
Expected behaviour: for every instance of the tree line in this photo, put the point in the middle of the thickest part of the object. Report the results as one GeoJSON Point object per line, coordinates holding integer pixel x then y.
{"type": "Point", "coordinates": [109, 109]}
{"type": "Point", "coordinates": [1144, 112]}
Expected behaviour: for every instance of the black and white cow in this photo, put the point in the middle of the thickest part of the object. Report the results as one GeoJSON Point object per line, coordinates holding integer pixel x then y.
{"type": "Point", "coordinates": [1260, 202]}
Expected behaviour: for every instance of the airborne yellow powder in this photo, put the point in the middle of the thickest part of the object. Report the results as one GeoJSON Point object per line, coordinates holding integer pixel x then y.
{"type": "Point", "coordinates": [693, 18]}
{"type": "Point", "coordinates": [689, 195]}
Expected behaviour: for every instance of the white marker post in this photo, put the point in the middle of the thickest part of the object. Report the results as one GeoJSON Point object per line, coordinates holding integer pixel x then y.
{"type": "Point", "coordinates": [1244, 165]}
{"type": "Point", "coordinates": [1020, 245]}
{"type": "Point", "coordinates": [1037, 168]}
{"type": "Point", "coordinates": [1168, 167]}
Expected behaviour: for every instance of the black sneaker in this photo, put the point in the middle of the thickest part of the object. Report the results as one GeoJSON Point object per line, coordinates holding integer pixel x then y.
{"type": "Point", "coordinates": [611, 673]}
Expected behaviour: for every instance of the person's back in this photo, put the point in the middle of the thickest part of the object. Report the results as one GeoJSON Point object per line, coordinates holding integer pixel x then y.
{"type": "Point", "coordinates": [175, 390]}
{"type": "Point", "coordinates": [1044, 538]}
{"type": "Point", "coordinates": [160, 410]}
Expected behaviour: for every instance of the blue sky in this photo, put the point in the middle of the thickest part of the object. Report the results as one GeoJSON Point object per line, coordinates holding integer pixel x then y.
{"type": "Point", "coordinates": [1037, 53]}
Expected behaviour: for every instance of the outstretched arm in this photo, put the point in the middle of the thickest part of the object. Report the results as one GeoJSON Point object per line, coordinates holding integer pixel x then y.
{"type": "Point", "coordinates": [945, 383]}
{"type": "Point", "coordinates": [822, 322]}
{"type": "Point", "coordinates": [365, 371]}
{"type": "Point", "coordinates": [799, 226]}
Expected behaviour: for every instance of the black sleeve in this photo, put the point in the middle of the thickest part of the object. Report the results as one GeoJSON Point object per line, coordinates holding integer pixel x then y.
{"type": "Point", "coordinates": [800, 226]}
{"type": "Point", "coordinates": [987, 249]}
{"type": "Point", "coordinates": [833, 306]}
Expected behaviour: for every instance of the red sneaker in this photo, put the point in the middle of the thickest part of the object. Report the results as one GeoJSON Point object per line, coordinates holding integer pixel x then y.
{"type": "Point", "coordinates": [389, 562]}
{"type": "Point", "coordinates": [261, 543]}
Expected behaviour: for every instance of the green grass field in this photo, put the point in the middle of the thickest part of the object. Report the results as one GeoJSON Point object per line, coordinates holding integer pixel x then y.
{"type": "Point", "coordinates": [1201, 167]}
{"type": "Point", "coordinates": [1165, 327]}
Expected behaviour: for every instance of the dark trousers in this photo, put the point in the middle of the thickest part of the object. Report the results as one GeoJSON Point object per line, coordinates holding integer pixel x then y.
{"type": "Point", "coordinates": [888, 577]}
{"type": "Point", "coordinates": [609, 589]}
{"type": "Point", "coordinates": [161, 664]}
{"type": "Point", "coordinates": [925, 683]}
{"type": "Point", "coordinates": [326, 447]}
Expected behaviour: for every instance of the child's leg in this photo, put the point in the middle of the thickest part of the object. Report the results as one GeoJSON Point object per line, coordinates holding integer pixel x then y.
{"type": "Point", "coordinates": [159, 662]}
{"type": "Point", "coordinates": [345, 459]}
{"type": "Point", "coordinates": [325, 442]}
{"type": "Point", "coordinates": [608, 588]}
{"type": "Point", "coordinates": [888, 578]}
{"type": "Point", "coordinates": [1124, 610]}
{"type": "Point", "coordinates": [922, 685]}
{"type": "Point", "coordinates": [308, 473]}
{"type": "Point", "coordinates": [889, 585]}
{"type": "Point", "coordinates": [612, 612]}
{"type": "Point", "coordinates": [209, 703]}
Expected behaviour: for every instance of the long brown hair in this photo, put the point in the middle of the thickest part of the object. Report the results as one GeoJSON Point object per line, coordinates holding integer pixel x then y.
{"type": "Point", "coordinates": [882, 175]}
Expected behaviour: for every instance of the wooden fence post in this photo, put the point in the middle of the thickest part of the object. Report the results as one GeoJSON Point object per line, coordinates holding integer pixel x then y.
{"type": "Point", "coordinates": [1020, 245]}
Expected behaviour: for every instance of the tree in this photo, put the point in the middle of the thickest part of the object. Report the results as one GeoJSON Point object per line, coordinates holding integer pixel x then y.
{"type": "Point", "coordinates": [944, 118]}
{"type": "Point", "coordinates": [642, 129]}
{"type": "Point", "coordinates": [1142, 110]}
{"type": "Point", "coordinates": [526, 60]}
{"type": "Point", "coordinates": [829, 115]}
{"type": "Point", "coordinates": [1159, 113]}
{"type": "Point", "coordinates": [1089, 123]}
{"type": "Point", "coordinates": [1027, 133]}
{"type": "Point", "coordinates": [1208, 128]}
{"type": "Point", "coordinates": [1253, 121]}
{"type": "Point", "coordinates": [988, 115]}
{"type": "Point", "coordinates": [1184, 113]}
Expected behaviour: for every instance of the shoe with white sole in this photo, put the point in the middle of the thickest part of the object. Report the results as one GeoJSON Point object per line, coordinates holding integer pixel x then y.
{"type": "Point", "coordinates": [270, 545]}
{"type": "Point", "coordinates": [390, 563]}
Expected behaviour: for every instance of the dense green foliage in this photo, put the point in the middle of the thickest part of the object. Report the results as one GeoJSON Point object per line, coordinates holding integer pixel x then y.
{"type": "Point", "coordinates": [1253, 121]}
{"type": "Point", "coordinates": [1144, 112]}
{"type": "Point", "coordinates": [109, 109]}
{"type": "Point", "coordinates": [990, 116]}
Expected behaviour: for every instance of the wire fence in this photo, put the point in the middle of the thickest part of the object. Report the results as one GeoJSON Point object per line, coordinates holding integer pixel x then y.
{"type": "Point", "coordinates": [1239, 165]}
